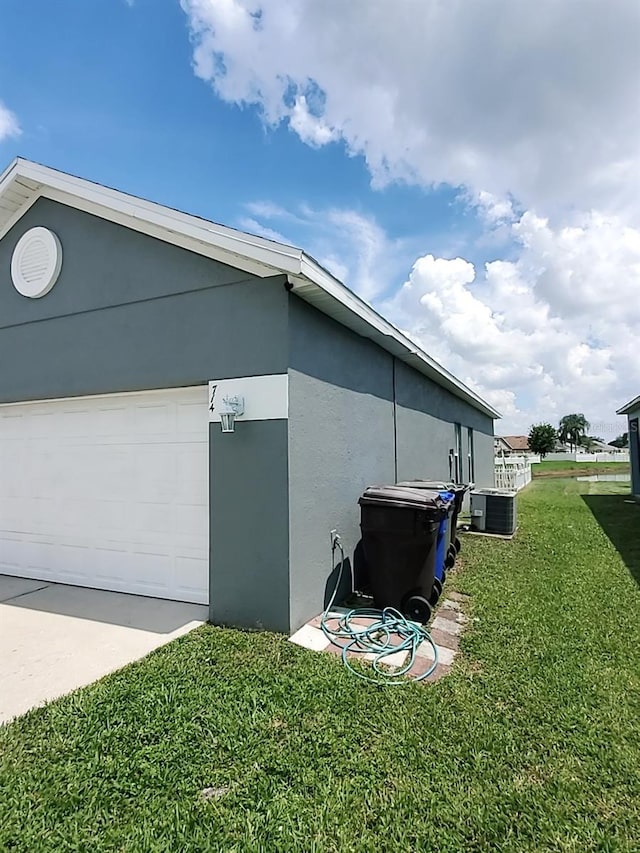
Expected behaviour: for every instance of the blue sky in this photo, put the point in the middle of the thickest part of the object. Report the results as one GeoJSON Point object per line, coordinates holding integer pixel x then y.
{"type": "Point", "coordinates": [113, 97]}
{"type": "Point", "coordinates": [380, 139]}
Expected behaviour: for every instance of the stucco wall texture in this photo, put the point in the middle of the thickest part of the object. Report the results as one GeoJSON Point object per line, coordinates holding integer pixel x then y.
{"type": "Point", "coordinates": [342, 439]}
{"type": "Point", "coordinates": [634, 450]}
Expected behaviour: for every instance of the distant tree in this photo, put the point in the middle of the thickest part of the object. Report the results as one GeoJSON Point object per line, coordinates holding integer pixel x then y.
{"type": "Point", "coordinates": [621, 440]}
{"type": "Point", "coordinates": [542, 439]}
{"type": "Point", "coordinates": [572, 429]}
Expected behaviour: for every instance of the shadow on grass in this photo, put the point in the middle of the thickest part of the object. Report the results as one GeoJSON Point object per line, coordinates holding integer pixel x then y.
{"type": "Point", "coordinates": [619, 517]}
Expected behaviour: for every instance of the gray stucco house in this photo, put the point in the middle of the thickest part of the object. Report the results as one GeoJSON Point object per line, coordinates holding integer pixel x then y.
{"type": "Point", "coordinates": [127, 331]}
{"type": "Point", "coordinates": [632, 411]}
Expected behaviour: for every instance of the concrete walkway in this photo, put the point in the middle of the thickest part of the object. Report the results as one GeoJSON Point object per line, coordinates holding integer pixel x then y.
{"type": "Point", "coordinates": [55, 638]}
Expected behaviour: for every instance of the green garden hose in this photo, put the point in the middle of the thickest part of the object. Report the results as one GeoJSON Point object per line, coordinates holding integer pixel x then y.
{"type": "Point", "coordinates": [375, 639]}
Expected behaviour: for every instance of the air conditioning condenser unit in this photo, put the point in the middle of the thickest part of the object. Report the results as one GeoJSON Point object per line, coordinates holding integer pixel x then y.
{"type": "Point", "coordinates": [493, 511]}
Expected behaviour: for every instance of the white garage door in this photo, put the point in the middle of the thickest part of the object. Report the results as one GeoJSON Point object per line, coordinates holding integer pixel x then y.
{"type": "Point", "coordinates": [108, 492]}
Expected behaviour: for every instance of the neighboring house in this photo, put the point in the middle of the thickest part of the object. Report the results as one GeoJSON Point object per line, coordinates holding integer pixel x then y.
{"type": "Point", "coordinates": [596, 446]}
{"type": "Point", "coordinates": [512, 445]}
{"type": "Point", "coordinates": [124, 328]}
{"type": "Point", "coordinates": [632, 411]}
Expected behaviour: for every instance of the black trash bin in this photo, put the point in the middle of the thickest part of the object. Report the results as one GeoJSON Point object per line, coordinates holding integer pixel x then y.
{"type": "Point", "coordinates": [399, 535]}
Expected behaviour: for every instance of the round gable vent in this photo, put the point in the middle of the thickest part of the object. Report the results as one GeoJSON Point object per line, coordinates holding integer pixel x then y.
{"type": "Point", "coordinates": [36, 262]}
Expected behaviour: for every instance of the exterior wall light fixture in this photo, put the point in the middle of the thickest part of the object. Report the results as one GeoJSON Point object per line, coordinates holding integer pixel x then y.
{"type": "Point", "coordinates": [232, 408]}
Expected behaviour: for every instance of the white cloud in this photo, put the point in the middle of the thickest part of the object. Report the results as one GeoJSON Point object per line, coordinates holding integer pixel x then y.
{"type": "Point", "coordinates": [531, 109]}
{"type": "Point", "coordinates": [537, 100]}
{"type": "Point", "coordinates": [252, 226]}
{"type": "Point", "coordinates": [310, 128]}
{"type": "Point", "coordinates": [9, 125]}
{"type": "Point", "coordinates": [267, 209]}
{"type": "Point", "coordinates": [350, 244]}
{"type": "Point", "coordinates": [554, 330]}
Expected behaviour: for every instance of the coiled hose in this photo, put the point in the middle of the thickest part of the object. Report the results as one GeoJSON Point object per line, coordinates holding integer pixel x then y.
{"type": "Point", "coordinates": [375, 639]}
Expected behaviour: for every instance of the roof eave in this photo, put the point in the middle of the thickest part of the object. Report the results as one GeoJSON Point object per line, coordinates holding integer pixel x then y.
{"type": "Point", "coordinates": [5, 175]}
{"type": "Point", "coordinates": [629, 407]}
{"type": "Point", "coordinates": [63, 187]}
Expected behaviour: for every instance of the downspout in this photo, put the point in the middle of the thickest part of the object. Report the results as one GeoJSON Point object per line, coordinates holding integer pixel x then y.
{"type": "Point", "coordinates": [395, 420]}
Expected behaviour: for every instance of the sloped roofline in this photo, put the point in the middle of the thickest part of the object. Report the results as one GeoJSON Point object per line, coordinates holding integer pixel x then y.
{"type": "Point", "coordinates": [629, 407]}
{"type": "Point", "coordinates": [23, 182]}
{"type": "Point", "coordinates": [506, 439]}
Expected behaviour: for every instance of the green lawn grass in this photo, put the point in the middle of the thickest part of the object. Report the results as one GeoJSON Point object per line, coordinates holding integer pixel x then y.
{"type": "Point", "coordinates": [531, 744]}
{"type": "Point", "coordinates": [548, 468]}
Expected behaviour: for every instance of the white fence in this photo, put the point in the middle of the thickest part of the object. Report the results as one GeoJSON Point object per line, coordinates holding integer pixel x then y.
{"type": "Point", "coordinates": [513, 472]}
{"type": "Point", "coordinates": [622, 456]}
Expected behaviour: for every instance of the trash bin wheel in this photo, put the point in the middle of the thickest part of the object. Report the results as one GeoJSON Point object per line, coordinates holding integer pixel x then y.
{"type": "Point", "coordinates": [436, 592]}
{"type": "Point", "coordinates": [450, 559]}
{"type": "Point", "coordinates": [417, 608]}
{"type": "Point", "coordinates": [458, 544]}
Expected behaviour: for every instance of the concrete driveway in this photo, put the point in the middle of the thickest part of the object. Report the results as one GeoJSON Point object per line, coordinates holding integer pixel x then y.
{"type": "Point", "coordinates": [55, 638]}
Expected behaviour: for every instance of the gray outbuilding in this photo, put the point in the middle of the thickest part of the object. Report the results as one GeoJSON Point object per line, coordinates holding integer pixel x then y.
{"type": "Point", "coordinates": [128, 333]}
{"type": "Point", "coordinates": [632, 411]}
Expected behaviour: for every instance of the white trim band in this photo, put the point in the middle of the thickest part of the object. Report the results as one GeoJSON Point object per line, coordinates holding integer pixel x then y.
{"type": "Point", "coordinates": [266, 398]}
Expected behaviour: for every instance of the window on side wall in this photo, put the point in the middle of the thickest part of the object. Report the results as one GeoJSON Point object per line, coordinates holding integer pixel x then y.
{"type": "Point", "coordinates": [457, 454]}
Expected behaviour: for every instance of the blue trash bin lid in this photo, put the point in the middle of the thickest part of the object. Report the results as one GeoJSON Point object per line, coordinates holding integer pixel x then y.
{"type": "Point", "coordinates": [450, 498]}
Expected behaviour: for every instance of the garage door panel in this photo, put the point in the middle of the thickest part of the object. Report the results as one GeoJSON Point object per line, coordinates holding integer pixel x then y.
{"type": "Point", "coordinates": [156, 519]}
{"type": "Point", "coordinates": [188, 521]}
{"type": "Point", "coordinates": [110, 566]}
{"type": "Point", "coordinates": [9, 513]}
{"type": "Point", "coordinates": [64, 519]}
{"type": "Point", "coordinates": [11, 551]}
{"type": "Point", "coordinates": [154, 472]}
{"type": "Point", "coordinates": [112, 421]}
{"type": "Point", "coordinates": [114, 472]}
{"type": "Point", "coordinates": [110, 492]}
{"type": "Point", "coordinates": [111, 516]}
{"type": "Point", "coordinates": [12, 425]}
{"type": "Point", "coordinates": [189, 418]}
{"type": "Point", "coordinates": [192, 480]}
{"type": "Point", "coordinates": [17, 518]}
{"type": "Point", "coordinates": [193, 578]}
{"type": "Point", "coordinates": [69, 561]}
{"type": "Point", "coordinates": [37, 556]}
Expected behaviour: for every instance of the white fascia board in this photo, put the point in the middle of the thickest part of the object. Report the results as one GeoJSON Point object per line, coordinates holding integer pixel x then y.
{"type": "Point", "coordinates": [8, 174]}
{"type": "Point", "coordinates": [406, 349]}
{"type": "Point", "coordinates": [140, 215]}
{"type": "Point", "coordinates": [19, 213]}
{"type": "Point", "coordinates": [11, 180]}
